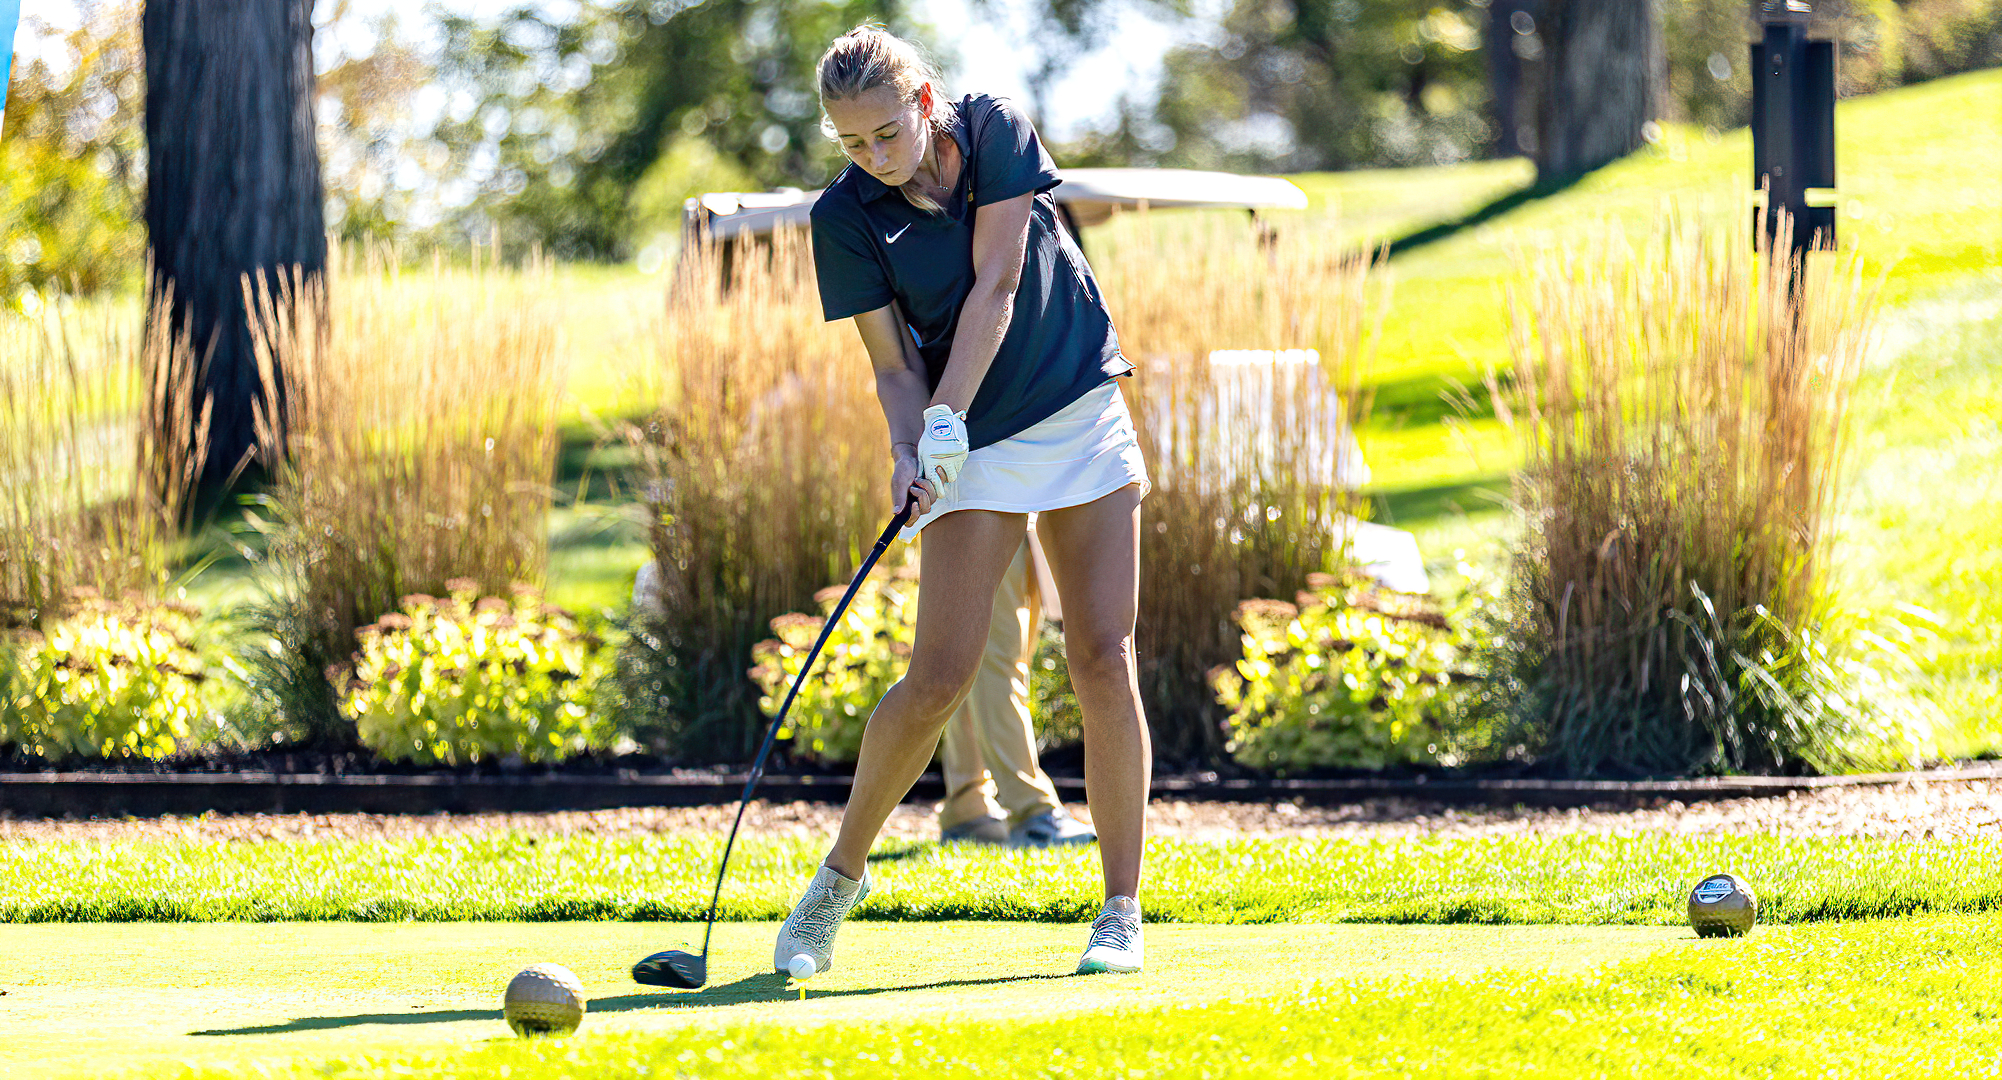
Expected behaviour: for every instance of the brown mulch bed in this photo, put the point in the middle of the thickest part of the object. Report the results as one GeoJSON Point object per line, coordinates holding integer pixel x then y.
{"type": "Point", "coordinates": [1912, 811]}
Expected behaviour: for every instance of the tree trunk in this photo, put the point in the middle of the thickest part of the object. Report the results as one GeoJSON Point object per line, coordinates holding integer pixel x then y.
{"type": "Point", "coordinates": [233, 184]}
{"type": "Point", "coordinates": [1513, 48]}
{"type": "Point", "coordinates": [1606, 77]}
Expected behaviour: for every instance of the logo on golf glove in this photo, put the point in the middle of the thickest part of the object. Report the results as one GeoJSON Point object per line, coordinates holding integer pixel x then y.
{"type": "Point", "coordinates": [942, 448]}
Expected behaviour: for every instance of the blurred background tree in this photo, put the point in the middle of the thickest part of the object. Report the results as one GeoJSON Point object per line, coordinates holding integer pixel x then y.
{"type": "Point", "coordinates": [582, 127]}
{"type": "Point", "coordinates": [1605, 80]}
{"type": "Point", "coordinates": [585, 136]}
{"type": "Point", "coordinates": [1062, 33]}
{"type": "Point", "coordinates": [233, 168]}
{"type": "Point", "coordinates": [370, 80]}
{"type": "Point", "coordinates": [73, 157]}
{"type": "Point", "coordinates": [1290, 85]}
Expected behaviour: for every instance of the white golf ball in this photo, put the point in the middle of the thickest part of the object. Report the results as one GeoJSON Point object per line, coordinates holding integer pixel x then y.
{"type": "Point", "coordinates": [802, 967]}
{"type": "Point", "coordinates": [545, 999]}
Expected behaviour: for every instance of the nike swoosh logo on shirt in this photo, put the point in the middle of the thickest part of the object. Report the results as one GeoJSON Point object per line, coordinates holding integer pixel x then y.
{"type": "Point", "coordinates": [891, 238]}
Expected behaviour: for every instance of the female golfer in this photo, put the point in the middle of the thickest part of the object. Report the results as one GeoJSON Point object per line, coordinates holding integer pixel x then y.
{"type": "Point", "coordinates": [994, 359]}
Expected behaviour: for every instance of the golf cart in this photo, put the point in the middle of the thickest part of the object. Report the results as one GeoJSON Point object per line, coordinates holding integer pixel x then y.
{"type": "Point", "coordinates": [1090, 197]}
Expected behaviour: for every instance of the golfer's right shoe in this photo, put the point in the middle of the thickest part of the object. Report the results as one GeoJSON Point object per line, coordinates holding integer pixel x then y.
{"type": "Point", "coordinates": [811, 927]}
{"type": "Point", "coordinates": [1115, 939]}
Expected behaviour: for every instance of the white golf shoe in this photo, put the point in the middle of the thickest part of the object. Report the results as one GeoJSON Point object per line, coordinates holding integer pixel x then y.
{"type": "Point", "coordinates": [811, 927]}
{"type": "Point", "coordinates": [1115, 939]}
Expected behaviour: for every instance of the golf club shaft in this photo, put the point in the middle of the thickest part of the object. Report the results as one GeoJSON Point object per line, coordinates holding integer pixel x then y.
{"type": "Point", "coordinates": [772, 731]}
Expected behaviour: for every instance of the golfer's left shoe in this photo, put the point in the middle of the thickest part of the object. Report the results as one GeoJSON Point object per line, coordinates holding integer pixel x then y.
{"type": "Point", "coordinates": [814, 920]}
{"type": "Point", "coordinates": [1115, 939]}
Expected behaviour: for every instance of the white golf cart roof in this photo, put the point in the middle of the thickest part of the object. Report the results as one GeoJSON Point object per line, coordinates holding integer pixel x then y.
{"type": "Point", "coordinates": [1245, 393]}
{"type": "Point", "coordinates": [1090, 196]}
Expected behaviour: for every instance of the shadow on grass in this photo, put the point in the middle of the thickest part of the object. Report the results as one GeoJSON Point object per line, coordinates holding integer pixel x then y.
{"type": "Point", "coordinates": [1405, 507]}
{"type": "Point", "coordinates": [1424, 401]}
{"type": "Point", "coordinates": [909, 849]}
{"type": "Point", "coordinates": [752, 989]}
{"type": "Point", "coordinates": [1481, 215]}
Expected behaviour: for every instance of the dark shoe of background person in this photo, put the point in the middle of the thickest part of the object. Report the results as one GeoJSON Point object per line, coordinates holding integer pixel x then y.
{"type": "Point", "coordinates": [984, 830]}
{"type": "Point", "coordinates": [1052, 828]}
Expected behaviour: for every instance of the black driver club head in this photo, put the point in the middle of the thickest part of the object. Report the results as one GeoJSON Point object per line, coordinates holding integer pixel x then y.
{"type": "Point", "coordinates": [675, 968]}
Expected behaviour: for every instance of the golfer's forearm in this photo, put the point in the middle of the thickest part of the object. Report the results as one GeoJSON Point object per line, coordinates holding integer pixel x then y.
{"type": "Point", "coordinates": [904, 395]}
{"type": "Point", "coordinates": [983, 322]}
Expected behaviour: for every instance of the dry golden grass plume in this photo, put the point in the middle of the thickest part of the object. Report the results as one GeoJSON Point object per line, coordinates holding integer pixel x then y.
{"type": "Point", "coordinates": [1250, 456]}
{"type": "Point", "coordinates": [100, 438]}
{"type": "Point", "coordinates": [409, 426]}
{"type": "Point", "coordinates": [764, 464]}
{"type": "Point", "coordinates": [1684, 407]}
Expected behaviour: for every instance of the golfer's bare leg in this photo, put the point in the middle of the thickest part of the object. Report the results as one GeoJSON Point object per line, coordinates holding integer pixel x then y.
{"type": "Point", "coordinates": [964, 555]}
{"type": "Point", "coordinates": [1094, 553]}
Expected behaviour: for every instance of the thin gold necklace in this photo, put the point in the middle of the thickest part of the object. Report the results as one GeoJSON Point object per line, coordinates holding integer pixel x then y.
{"type": "Point", "coordinates": [936, 188]}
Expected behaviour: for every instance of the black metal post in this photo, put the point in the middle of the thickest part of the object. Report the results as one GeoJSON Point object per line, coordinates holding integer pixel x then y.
{"type": "Point", "coordinates": [1793, 125]}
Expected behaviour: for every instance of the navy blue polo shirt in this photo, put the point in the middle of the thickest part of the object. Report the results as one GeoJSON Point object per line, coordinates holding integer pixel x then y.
{"type": "Point", "coordinates": [871, 246]}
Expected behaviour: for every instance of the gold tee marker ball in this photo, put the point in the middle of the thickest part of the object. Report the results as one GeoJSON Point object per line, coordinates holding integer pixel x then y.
{"type": "Point", "coordinates": [1722, 905]}
{"type": "Point", "coordinates": [545, 999]}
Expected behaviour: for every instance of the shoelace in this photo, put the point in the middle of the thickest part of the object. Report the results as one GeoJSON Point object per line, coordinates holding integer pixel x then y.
{"type": "Point", "coordinates": [1114, 930]}
{"type": "Point", "coordinates": [818, 915]}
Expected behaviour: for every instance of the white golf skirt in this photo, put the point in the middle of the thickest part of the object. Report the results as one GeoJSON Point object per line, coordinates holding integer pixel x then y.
{"type": "Point", "coordinates": [1084, 452]}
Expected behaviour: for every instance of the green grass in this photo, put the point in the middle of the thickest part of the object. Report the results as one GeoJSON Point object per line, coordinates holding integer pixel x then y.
{"type": "Point", "coordinates": [516, 877]}
{"type": "Point", "coordinates": [229, 996]}
{"type": "Point", "coordinates": [1911, 997]}
{"type": "Point", "coordinates": [1921, 525]}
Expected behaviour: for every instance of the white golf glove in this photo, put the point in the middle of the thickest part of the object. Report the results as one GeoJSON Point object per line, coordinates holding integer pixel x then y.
{"type": "Point", "coordinates": [942, 447]}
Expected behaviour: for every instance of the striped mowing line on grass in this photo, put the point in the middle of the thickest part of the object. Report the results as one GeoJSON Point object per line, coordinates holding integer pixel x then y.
{"type": "Point", "coordinates": [1563, 879]}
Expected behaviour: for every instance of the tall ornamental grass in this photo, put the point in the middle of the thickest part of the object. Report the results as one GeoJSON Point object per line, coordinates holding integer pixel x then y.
{"type": "Point", "coordinates": [409, 426]}
{"type": "Point", "coordinates": [100, 438]}
{"type": "Point", "coordinates": [1252, 350]}
{"type": "Point", "coordinates": [1684, 407]}
{"type": "Point", "coordinates": [763, 462]}
{"type": "Point", "coordinates": [100, 441]}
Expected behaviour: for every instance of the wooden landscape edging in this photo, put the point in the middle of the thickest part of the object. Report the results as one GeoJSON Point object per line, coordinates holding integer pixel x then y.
{"type": "Point", "coordinates": [82, 795]}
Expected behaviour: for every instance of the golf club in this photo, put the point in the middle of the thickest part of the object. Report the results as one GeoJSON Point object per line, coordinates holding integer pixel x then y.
{"type": "Point", "coordinates": [687, 971]}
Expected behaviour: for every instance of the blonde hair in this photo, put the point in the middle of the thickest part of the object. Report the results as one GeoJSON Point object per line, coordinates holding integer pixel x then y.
{"type": "Point", "coordinates": [868, 57]}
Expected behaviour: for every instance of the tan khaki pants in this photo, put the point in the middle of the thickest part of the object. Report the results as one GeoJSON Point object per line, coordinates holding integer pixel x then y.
{"type": "Point", "coordinates": [989, 749]}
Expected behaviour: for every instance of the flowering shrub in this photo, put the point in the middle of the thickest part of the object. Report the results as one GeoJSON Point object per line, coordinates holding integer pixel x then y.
{"type": "Point", "coordinates": [864, 656]}
{"type": "Point", "coordinates": [112, 679]}
{"type": "Point", "coordinates": [1349, 676]}
{"type": "Point", "coordinates": [471, 678]}
{"type": "Point", "coordinates": [1052, 702]}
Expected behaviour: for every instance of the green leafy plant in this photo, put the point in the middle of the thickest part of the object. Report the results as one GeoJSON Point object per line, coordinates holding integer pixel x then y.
{"type": "Point", "coordinates": [1350, 677]}
{"type": "Point", "coordinates": [864, 656]}
{"type": "Point", "coordinates": [472, 678]}
{"type": "Point", "coordinates": [1059, 722]}
{"type": "Point", "coordinates": [108, 680]}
